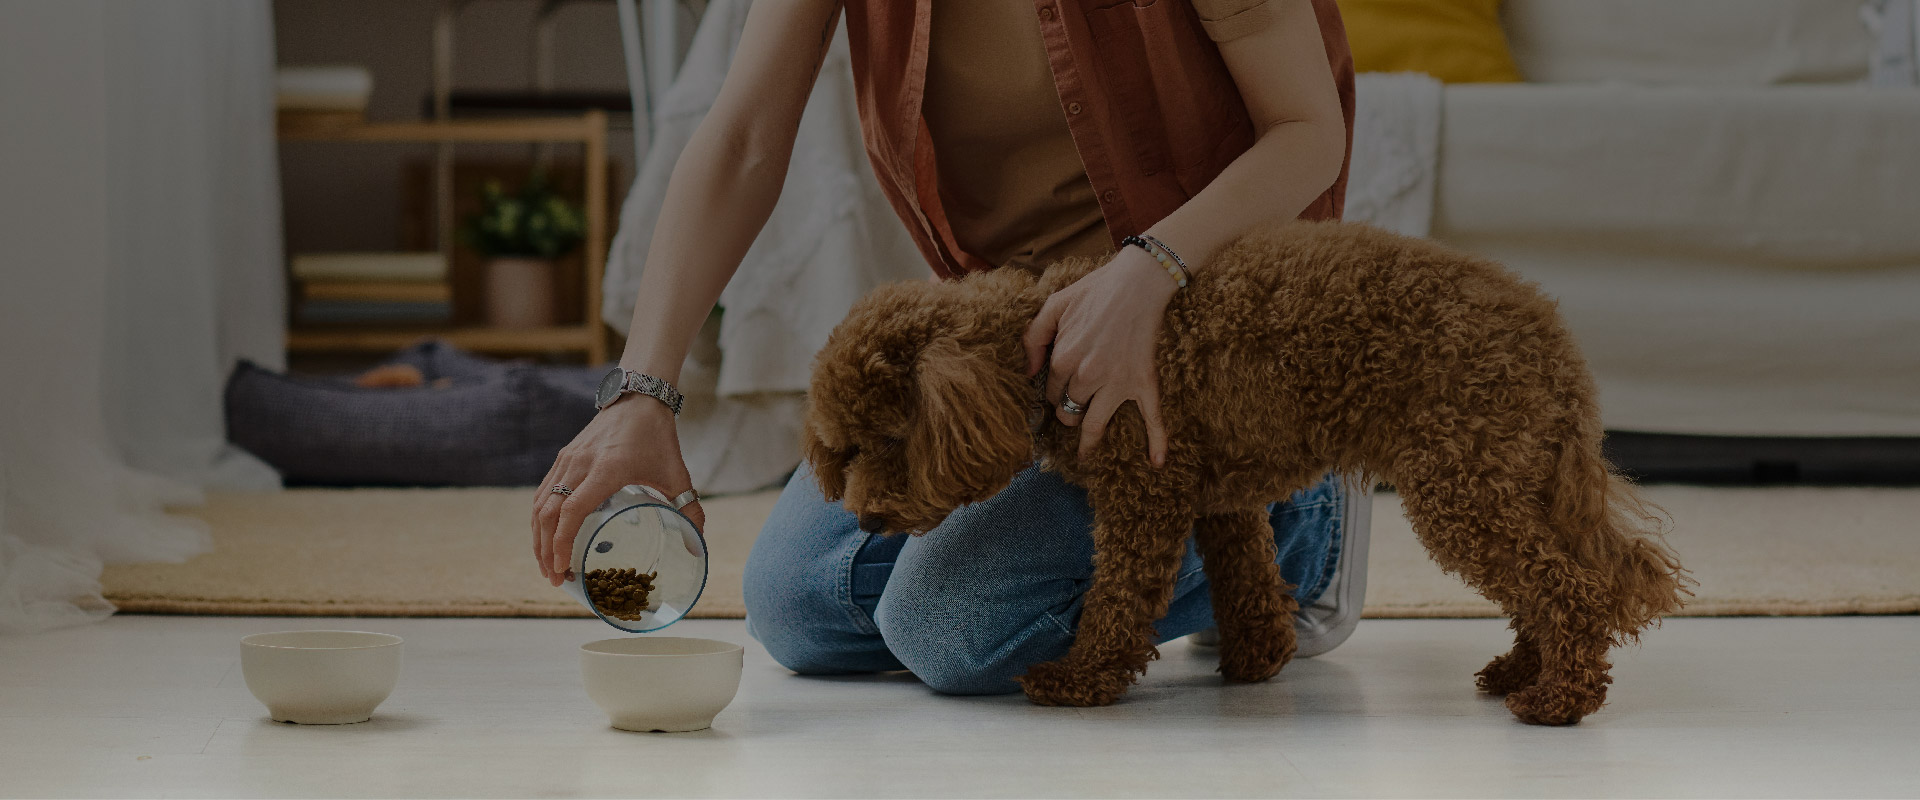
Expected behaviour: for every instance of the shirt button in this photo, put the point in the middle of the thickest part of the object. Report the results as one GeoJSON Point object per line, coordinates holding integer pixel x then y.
{"type": "Point", "coordinates": [1046, 12]}
{"type": "Point", "coordinates": [1073, 108]}
{"type": "Point", "coordinates": [1109, 196]}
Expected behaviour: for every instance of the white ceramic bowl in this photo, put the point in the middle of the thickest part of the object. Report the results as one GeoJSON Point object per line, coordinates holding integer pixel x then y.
{"type": "Point", "coordinates": [661, 683]}
{"type": "Point", "coordinates": [320, 677]}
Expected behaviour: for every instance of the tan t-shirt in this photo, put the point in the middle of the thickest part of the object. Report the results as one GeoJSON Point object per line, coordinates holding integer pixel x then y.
{"type": "Point", "coordinates": [1011, 182]}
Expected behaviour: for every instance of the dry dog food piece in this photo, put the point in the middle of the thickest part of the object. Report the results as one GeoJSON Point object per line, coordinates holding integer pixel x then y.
{"type": "Point", "coordinates": [620, 593]}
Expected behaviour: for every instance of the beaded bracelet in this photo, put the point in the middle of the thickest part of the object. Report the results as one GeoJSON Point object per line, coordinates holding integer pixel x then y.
{"type": "Point", "coordinates": [1171, 261]}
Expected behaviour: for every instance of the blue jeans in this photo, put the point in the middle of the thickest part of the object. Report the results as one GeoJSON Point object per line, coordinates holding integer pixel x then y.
{"type": "Point", "coordinates": [994, 589]}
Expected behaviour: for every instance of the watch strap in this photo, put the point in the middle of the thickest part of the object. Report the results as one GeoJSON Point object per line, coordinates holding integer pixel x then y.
{"type": "Point", "coordinates": [656, 388]}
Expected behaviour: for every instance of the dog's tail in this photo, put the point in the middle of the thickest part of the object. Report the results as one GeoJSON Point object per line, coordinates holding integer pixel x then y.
{"type": "Point", "coordinates": [1608, 527]}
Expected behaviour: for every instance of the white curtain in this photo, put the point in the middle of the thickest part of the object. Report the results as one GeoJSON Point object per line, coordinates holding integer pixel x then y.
{"type": "Point", "coordinates": [139, 255]}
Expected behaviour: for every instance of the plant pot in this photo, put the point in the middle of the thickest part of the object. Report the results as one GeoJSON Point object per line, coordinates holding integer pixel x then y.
{"type": "Point", "coordinates": [520, 292]}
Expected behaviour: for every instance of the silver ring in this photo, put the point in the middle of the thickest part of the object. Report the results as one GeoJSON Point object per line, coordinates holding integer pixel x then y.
{"type": "Point", "coordinates": [561, 488]}
{"type": "Point", "coordinates": [1070, 408]}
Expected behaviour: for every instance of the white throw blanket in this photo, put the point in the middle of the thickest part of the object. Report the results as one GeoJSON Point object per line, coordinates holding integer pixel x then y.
{"type": "Point", "coordinates": [1895, 27]}
{"type": "Point", "coordinates": [833, 237]}
{"type": "Point", "coordinates": [1396, 151]}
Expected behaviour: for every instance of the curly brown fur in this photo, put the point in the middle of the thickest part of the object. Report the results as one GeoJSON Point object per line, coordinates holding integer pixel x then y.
{"type": "Point", "coordinates": [1300, 349]}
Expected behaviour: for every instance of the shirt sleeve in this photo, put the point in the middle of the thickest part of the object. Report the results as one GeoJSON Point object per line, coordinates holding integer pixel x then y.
{"type": "Point", "coordinates": [1226, 20]}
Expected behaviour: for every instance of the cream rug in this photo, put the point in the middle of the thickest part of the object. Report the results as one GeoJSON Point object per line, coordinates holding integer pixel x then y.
{"type": "Point", "coordinates": [395, 552]}
{"type": "Point", "coordinates": [468, 552]}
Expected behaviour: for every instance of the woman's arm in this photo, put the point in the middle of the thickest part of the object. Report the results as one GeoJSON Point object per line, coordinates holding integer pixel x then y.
{"type": "Point", "coordinates": [722, 190]}
{"type": "Point", "coordinates": [1283, 77]}
{"type": "Point", "coordinates": [1103, 328]}
{"type": "Point", "coordinates": [727, 180]}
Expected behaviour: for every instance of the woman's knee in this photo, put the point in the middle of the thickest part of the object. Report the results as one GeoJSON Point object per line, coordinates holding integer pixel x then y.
{"type": "Point", "coordinates": [991, 591]}
{"type": "Point", "coordinates": [796, 588]}
{"type": "Point", "coordinates": [805, 628]}
{"type": "Point", "coordinates": [939, 652]}
{"type": "Point", "coordinates": [957, 644]}
{"type": "Point", "coordinates": [783, 620]}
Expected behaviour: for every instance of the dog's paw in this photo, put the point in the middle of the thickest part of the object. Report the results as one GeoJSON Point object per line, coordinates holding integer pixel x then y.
{"type": "Point", "coordinates": [1060, 683]}
{"type": "Point", "coordinates": [1251, 657]}
{"type": "Point", "coordinates": [1555, 703]}
{"type": "Point", "coordinates": [1508, 674]}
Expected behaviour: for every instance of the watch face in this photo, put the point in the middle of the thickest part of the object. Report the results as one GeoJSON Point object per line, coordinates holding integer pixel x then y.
{"type": "Point", "coordinates": [610, 387]}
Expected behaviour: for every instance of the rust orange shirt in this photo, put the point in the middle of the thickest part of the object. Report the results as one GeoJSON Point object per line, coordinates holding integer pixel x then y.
{"type": "Point", "coordinates": [1152, 110]}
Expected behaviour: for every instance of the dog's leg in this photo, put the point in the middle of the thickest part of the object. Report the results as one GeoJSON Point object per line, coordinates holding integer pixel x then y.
{"type": "Point", "coordinates": [1505, 549]}
{"type": "Point", "coordinates": [1573, 677]}
{"type": "Point", "coordinates": [1252, 604]}
{"type": "Point", "coordinates": [1138, 544]}
{"type": "Point", "coordinates": [1516, 670]}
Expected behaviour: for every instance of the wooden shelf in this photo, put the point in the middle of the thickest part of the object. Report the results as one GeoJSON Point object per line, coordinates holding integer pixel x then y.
{"type": "Point", "coordinates": [369, 339]}
{"type": "Point", "coordinates": [539, 129]}
{"type": "Point", "coordinates": [377, 291]}
{"type": "Point", "coordinates": [588, 129]}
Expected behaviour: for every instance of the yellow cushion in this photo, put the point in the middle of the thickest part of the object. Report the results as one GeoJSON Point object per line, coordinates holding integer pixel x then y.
{"type": "Point", "coordinates": [1457, 41]}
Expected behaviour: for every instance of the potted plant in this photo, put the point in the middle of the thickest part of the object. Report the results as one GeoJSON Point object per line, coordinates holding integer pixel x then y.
{"type": "Point", "coordinates": [521, 235]}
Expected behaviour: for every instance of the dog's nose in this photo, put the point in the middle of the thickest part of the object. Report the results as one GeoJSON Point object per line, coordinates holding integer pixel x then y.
{"type": "Point", "coordinates": [872, 524]}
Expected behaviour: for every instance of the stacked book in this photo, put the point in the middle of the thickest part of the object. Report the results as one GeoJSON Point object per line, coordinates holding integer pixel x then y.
{"type": "Point", "coordinates": [337, 93]}
{"type": "Point", "coordinates": [371, 288]}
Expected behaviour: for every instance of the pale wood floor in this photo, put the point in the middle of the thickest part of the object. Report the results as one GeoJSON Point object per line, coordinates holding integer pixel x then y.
{"type": "Point", "coordinates": [155, 706]}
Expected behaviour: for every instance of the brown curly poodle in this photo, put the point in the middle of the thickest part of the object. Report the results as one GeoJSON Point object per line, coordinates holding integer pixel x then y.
{"type": "Point", "coordinates": [1301, 348]}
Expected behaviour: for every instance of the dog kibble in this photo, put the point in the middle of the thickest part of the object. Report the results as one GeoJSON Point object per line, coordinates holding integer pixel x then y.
{"type": "Point", "coordinates": [620, 593]}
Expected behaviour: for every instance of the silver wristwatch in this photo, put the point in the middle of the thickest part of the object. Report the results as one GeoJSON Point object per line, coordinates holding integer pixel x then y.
{"type": "Point", "coordinates": [621, 381]}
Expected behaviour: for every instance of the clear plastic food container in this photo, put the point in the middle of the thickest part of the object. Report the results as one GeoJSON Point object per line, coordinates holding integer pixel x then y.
{"type": "Point", "coordinates": [638, 563]}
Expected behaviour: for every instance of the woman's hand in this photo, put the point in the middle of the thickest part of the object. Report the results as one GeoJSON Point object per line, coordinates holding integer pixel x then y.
{"type": "Point", "coordinates": [1103, 330]}
{"type": "Point", "coordinates": [632, 441]}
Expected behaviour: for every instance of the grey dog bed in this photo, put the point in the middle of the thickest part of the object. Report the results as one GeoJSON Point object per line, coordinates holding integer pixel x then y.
{"type": "Point", "coordinates": [485, 423]}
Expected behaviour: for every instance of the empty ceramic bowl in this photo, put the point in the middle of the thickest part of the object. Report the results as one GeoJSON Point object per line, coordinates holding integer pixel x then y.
{"type": "Point", "coordinates": [661, 683]}
{"type": "Point", "coordinates": [320, 677]}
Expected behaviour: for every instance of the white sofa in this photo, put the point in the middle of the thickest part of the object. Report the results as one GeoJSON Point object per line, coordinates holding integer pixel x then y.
{"type": "Point", "coordinates": [1727, 212]}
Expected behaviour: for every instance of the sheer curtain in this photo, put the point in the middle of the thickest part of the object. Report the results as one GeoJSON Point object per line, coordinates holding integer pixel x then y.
{"type": "Point", "coordinates": [139, 255]}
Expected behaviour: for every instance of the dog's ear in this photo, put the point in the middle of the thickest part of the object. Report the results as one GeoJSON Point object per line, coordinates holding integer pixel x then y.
{"type": "Point", "coordinates": [829, 464]}
{"type": "Point", "coordinates": [969, 427]}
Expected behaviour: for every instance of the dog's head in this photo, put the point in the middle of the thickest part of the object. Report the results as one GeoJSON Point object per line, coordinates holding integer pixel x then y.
{"type": "Point", "coordinates": [914, 411]}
